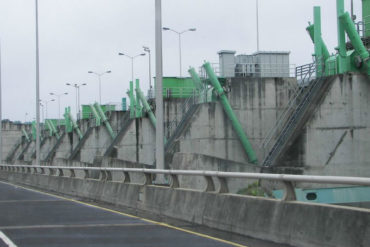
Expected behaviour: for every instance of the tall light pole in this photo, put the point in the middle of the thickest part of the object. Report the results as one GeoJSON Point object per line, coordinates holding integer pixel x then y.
{"type": "Point", "coordinates": [37, 86]}
{"type": "Point", "coordinates": [99, 76]}
{"type": "Point", "coordinates": [258, 34]}
{"type": "Point", "coordinates": [58, 96]}
{"type": "Point", "coordinates": [46, 106]}
{"type": "Point", "coordinates": [159, 133]}
{"type": "Point", "coordinates": [77, 87]}
{"type": "Point", "coordinates": [146, 49]}
{"type": "Point", "coordinates": [132, 62]}
{"type": "Point", "coordinates": [179, 33]}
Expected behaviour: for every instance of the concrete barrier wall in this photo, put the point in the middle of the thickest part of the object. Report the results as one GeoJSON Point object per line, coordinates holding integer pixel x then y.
{"type": "Point", "coordinates": [294, 223]}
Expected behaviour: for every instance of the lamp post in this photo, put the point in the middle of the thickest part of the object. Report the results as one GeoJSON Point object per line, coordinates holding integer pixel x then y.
{"type": "Point", "coordinates": [132, 62]}
{"type": "Point", "coordinates": [99, 76]}
{"type": "Point", "coordinates": [146, 49]}
{"type": "Point", "coordinates": [257, 24]}
{"type": "Point", "coordinates": [58, 96]}
{"type": "Point", "coordinates": [37, 84]}
{"type": "Point", "coordinates": [46, 106]}
{"type": "Point", "coordinates": [179, 34]}
{"type": "Point", "coordinates": [159, 133]}
{"type": "Point", "coordinates": [77, 87]}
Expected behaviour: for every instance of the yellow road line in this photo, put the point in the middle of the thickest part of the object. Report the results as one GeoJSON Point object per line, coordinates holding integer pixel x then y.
{"type": "Point", "coordinates": [132, 216]}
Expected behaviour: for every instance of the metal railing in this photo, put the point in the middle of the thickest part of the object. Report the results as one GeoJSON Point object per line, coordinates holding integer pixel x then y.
{"type": "Point", "coordinates": [295, 108]}
{"type": "Point", "coordinates": [215, 67]}
{"type": "Point", "coordinates": [363, 27]}
{"type": "Point", "coordinates": [283, 118]}
{"type": "Point", "coordinates": [209, 176]}
{"type": "Point", "coordinates": [251, 70]}
{"type": "Point", "coordinates": [305, 73]}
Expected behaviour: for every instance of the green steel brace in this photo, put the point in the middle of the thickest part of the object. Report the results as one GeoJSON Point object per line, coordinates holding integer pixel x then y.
{"type": "Point", "coordinates": [132, 100]}
{"type": "Point", "coordinates": [54, 129]}
{"type": "Point", "coordinates": [96, 115]}
{"type": "Point", "coordinates": [34, 130]}
{"type": "Point", "coordinates": [26, 135]}
{"type": "Point", "coordinates": [105, 120]}
{"type": "Point", "coordinates": [51, 131]}
{"type": "Point", "coordinates": [350, 29]}
{"type": "Point", "coordinates": [138, 106]}
{"type": "Point", "coordinates": [68, 124]}
{"type": "Point", "coordinates": [229, 112]}
{"type": "Point", "coordinates": [146, 106]}
{"type": "Point", "coordinates": [75, 126]}
{"type": "Point", "coordinates": [321, 51]}
{"type": "Point", "coordinates": [197, 82]}
{"type": "Point", "coordinates": [342, 52]}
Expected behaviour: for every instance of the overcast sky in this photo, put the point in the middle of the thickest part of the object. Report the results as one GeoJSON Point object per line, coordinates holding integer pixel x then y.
{"type": "Point", "coordinates": [81, 35]}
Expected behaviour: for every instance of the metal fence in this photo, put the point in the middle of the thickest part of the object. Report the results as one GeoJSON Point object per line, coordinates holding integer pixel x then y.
{"type": "Point", "coordinates": [209, 176]}
{"type": "Point", "coordinates": [251, 70]}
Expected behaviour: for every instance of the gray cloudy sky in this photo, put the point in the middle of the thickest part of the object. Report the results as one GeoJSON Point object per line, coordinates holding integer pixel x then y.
{"type": "Point", "coordinates": [81, 35]}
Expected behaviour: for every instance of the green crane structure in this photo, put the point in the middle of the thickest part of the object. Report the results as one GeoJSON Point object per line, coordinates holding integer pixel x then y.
{"type": "Point", "coordinates": [353, 60]}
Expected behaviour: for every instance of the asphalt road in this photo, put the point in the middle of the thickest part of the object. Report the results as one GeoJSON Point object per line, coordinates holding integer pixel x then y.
{"type": "Point", "coordinates": [31, 218]}
{"type": "Point", "coordinates": [34, 218]}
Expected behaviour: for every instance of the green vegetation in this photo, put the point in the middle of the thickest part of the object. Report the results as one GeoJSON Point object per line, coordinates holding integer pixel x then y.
{"type": "Point", "coordinates": [253, 189]}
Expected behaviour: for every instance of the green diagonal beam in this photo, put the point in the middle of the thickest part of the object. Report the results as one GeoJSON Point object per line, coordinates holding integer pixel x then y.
{"type": "Point", "coordinates": [105, 120]}
{"type": "Point", "coordinates": [229, 112]}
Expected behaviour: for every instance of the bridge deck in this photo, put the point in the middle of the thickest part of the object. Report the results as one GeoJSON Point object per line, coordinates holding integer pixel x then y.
{"type": "Point", "coordinates": [31, 218]}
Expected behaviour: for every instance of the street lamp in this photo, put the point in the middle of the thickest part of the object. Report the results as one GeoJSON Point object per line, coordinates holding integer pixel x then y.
{"type": "Point", "coordinates": [132, 62]}
{"type": "Point", "coordinates": [58, 96]}
{"type": "Point", "coordinates": [146, 49]}
{"type": "Point", "coordinates": [77, 87]}
{"type": "Point", "coordinates": [179, 33]}
{"type": "Point", "coordinates": [46, 106]}
{"type": "Point", "coordinates": [99, 76]}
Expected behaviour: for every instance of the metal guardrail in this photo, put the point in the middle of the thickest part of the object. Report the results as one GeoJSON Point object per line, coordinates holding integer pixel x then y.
{"type": "Point", "coordinates": [305, 73]}
{"type": "Point", "coordinates": [106, 175]}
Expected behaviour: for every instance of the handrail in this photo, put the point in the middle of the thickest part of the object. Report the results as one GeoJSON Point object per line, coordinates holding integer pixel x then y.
{"type": "Point", "coordinates": [343, 180]}
{"type": "Point", "coordinates": [287, 179]}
